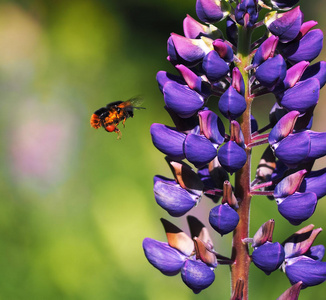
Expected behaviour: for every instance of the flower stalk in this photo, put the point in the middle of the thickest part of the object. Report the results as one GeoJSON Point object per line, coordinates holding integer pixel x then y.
{"type": "Point", "coordinates": [240, 251]}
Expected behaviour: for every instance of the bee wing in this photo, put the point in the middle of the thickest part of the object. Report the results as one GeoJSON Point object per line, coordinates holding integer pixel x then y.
{"type": "Point", "coordinates": [133, 103]}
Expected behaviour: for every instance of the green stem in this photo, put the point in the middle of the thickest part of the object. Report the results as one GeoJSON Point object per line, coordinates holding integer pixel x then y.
{"type": "Point", "coordinates": [240, 253]}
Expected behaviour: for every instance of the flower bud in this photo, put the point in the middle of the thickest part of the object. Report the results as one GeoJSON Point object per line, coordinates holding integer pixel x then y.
{"type": "Point", "coordinates": [197, 275]}
{"type": "Point", "coordinates": [268, 257]}
{"type": "Point", "coordinates": [300, 242]}
{"type": "Point", "coordinates": [163, 257]}
{"type": "Point", "coordinates": [232, 104]}
{"type": "Point", "coordinates": [232, 157]}
{"type": "Point", "coordinates": [291, 293]}
{"type": "Point", "coordinates": [223, 218]}
{"type": "Point", "coordinates": [246, 13]}
{"type": "Point", "coordinates": [264, 234]}
{"type": "Point", "coordinates": [305, 28]}
{"type": "Point", "coordinates": [294, 74]}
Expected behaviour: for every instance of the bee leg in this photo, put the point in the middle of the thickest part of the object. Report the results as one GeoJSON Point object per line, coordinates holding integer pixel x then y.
{"type": "Point", "coordinates": [123, 122]}
{"type": "Point", "coordinates": [117, 130]}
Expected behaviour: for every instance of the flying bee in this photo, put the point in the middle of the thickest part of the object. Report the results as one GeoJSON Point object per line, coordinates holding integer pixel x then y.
{"type": "Point", "coordinates": [111, 115]}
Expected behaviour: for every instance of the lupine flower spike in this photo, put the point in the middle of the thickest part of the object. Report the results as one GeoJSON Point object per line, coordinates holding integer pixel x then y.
{"type": "Point", "coordinates": [217, 72]}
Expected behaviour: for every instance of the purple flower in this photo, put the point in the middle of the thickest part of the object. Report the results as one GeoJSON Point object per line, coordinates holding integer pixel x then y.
{"type": "Point", "coordinates": [246, 12]}
{"type": "Point", "coordinates": [181, 99]}
{"type": "Point", "coordinates": [317, 70]}
{"type": "Point", "coordinates": [307, 48]}
{"type": "Point", "coordinates": [268, 257]}
{"type": "Point", "coordinates": [315, 182]}
{"type": "Point", "coordinates": [271, 71]}
{"type": "Point", "coordinates": [209, 11]}
{"type": "Point", "coordinates": [163, 257]}
{"type": "Point", "coordinates": [219, 72]}
{"type": "Point", "coordinates": [232, 104]}
{"type": "Point", "coordinates": [302, 97]}
{"type": "Point", "coordinates": [298, 207]}
{"type": "Point", "coordinates": [173, 198]}
{"type": "Point", "coordinates": [223, 50]}
{"type": "Point", "coordinates": [266, 50]}
{"type": "Point", "coordinates": [232, 157]}
{"type": "Point", "coordinates": [199, 150]}
{"type": "Point", "coordinates": [168, 140]}
{"type": "Point", "coordinates": [197, 275]}
{"type": "Point", "coordinates": [194, 30]}
{"type": "Point", "coordinates": [283, 127]}
{"type": "Point", "coordinates": [214, 66]}
{"type": "Point", "coordinates": [223, 218]}
{"type": "Point", "coordinates": [311, 272]}
{"type": "Point", "coordinates": [285, 25]}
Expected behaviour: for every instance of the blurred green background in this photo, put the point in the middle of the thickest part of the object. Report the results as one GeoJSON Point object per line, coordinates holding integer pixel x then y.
{"type": "Point", "coordinates": [76, 203]}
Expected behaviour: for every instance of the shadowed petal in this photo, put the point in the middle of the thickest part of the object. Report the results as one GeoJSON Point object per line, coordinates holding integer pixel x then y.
{"type": "Point", "coordinates": [308, 48]}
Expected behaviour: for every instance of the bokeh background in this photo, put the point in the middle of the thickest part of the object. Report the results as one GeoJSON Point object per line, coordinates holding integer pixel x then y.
{"type": "Point", "coordinates": [76, 203]}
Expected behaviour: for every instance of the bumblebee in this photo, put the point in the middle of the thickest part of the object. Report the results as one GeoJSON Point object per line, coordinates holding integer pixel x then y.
{"type": "Point", "coordinates": [115, 112]}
